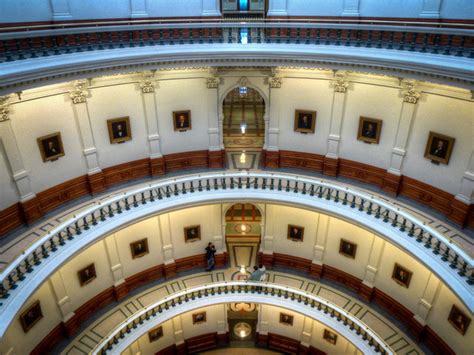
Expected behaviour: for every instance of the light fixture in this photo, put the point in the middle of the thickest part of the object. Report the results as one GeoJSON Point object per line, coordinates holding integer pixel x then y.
{"type": "Point", "coordinates": [243, 158]}
{"type": "Point", "coordinates": [243, 127]}
{"type": "Point", "coordinates": [243, 270]}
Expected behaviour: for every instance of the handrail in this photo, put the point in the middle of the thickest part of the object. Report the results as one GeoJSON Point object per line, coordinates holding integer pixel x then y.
{"type": "Point", "coordinates": [352, 323]}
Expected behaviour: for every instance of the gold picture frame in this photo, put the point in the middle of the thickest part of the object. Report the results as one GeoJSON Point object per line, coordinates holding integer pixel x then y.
{"type": "Point", "coordinates": [87, 274]}
{"type": "Point", "coordinates": [192, 233]}
{"type": "Point", "coordinates": [459, 320]}
{"type": "Point", "coordinates": [51, 147]}
{"type": "Point", "coordinates": [31, 316]}
{"type": "Point", "coordinates": [286, 319]}
{"type": "Point", "coordinates": [155, 334]}
{"type": "Point", "coordinates": [305, 121]}
{"type": "Point", "coordinates": [439, 148]}
{"type": "Point", "coordinates": [295, 233]}
{"type": "Point", "coordinates": [347, 248]}
{"type": "Point", "coordinates": [330, 337]}
{"type": "Point", "coordinates": [200, 317]}
{"type": "Point", "coordinates": [369, 130]}
{"type": "Point", "coordinates": [401, 275]}
{"type": "Point", "coordinates": [119, 130]}
{"type": "Point", "coordinates": [182, 120]}
{"type": "Point", "coordinates": [139, 248]}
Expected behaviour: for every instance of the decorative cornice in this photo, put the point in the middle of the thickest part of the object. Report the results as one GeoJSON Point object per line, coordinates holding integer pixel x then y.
{"type": "Point", "coordinates": [275, 82]}
{"type": "Point", "coordinates": [212, 83]}
{"type": "Point", "coordinates": [79, 93]}
{"type": "Point", "coordinates": [409, 91]}
{"type": "Point", "coordinates": [147, 85]}
{"type": "Point", "coordinates": [340, 81]}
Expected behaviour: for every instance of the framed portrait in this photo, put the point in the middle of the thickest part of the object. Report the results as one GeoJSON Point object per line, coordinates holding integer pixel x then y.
{"type": "Point", "coordinates": [31, 316]}
{"type": "Point", "coordinates": [286, 319]}
{"type": "Point", "coordinates": [51, 147]}
{"type": "Point", "coordinates": [119, 130]}
{"type": "Point", "coordinates": [459, 320]}
{"type": "Point", "coordinates": [139, 248]}
{"type": "Point", "coordinates": [182, 120]}
{"type": "Point", "coordinates": [330, 337]}
{"type": "Point", "coordinates": [192, 234]}
{"type": "Point", "coordinates": [295, 233]}
{"type": "Point", "coordinates": [369, 130]}
{"type": "Point", "coordinates": [305, 121]}
{"type": "Point", "coordinates": [155, 334]}
{"type": "Point", "coordinates": [439, 148]}
{"type": "Point", "coordinates": [199, 318]}
{"type": "Point", "coordinates": [401, 275]}
{"type": "Point", "coordinates": [347, 248]}
{"type": "Point", "coordinates": [87, 274]}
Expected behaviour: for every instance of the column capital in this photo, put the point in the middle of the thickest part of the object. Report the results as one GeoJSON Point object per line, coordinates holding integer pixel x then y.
{"type": "Point", "coordinates": [79, 93]}
{"type": "Point", "coordinates": [147, 85]}
{"type": "Point", "coordinates": [340, 83]}
{"type": "Point", "coordinates": [213, 82]}
{"type": "Point", "coordinates": [410, 92]}
{"type": "Point", "coordinates": [274, 82]}
{"type": "Point", "coordinates": [4, 108]}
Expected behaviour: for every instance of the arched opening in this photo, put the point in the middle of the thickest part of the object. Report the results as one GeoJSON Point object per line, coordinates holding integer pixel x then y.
{"type": "Point", "coordinates": [243, 224]}
{"type": "Point", "coordinates": [243, 127]}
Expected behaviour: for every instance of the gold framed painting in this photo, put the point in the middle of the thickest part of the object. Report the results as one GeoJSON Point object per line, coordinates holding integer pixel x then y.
{"type": "Point", "coordinates": [295, 233]}
{"type": "Point", "coordinates": [330, 337]}
{"type": "Point", "coordinates": [369, 130]}
{"type": "Point", "coordinates": [31, 316]}
{"type": "Point", "coordinates": [347, 248]}
{"type": "Point", "coordinates": [51, 147]}
{"type": "Point", "coordinates": [199, 318]}
{"type": "Point", "coordinates": [182, 120]}
{"type": "Point", "coordinates": [87, 274]}
{"type": "Point", "coordinates": [192, 233]}
{"type": "Point", "coordinates": [119, 130]}
{"type": "Point", "coordinates": [459, 320]}
{"type": "Point", "coordinates": [155, 334]}
{"type": "Point", "coordinates": [439, 148]}
{"type": "Point", "coordinates": [139, 248]}
{"type": "Point", "coordinates": [401, 275]}
{"type": "Point", "coordinates": [305, 121]}
{"type": "Point", "coordinates": [286, 319]}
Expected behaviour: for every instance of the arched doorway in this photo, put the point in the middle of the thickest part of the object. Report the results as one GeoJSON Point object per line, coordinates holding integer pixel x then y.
{"type": "Point", "coordinates": [243, 224]}
{"type": "Point", "coordinates": [243, 127]}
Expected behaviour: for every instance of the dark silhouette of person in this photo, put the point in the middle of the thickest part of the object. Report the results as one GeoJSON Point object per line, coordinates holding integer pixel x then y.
{"type": "Point", "coordinates": [369, 131]}
{"type": "Point", "coordinates": [210, 251]}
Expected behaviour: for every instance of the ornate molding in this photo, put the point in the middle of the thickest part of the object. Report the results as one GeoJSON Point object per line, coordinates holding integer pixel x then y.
{"type": "Point", "coordinates": [340, 81]}
{"type": "Point", "coordinates": [4, 108]}
{"type": "Point", "coordinates": [212, 83]}
{"type": "Point", "coordinates": [79, 93]}
{"type": "Point", "coordinates": [243, 81]}
{"type": "Point", "coordinates": [275, 82]}
{"type": "Point", "coordinates": [409, 92]}
{"type": "Point", "coordinates": [147, 85]}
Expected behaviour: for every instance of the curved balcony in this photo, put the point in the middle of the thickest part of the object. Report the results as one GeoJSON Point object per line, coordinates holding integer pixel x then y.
{"type": "Point", "coordinates": [310, 305]}
{"type": "Point", "coordinates": [452, 265]}
{"type": "Point", "coordinates": [75, 51]}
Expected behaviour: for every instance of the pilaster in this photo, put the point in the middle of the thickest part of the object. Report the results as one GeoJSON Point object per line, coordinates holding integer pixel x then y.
{"type": "Point", "coordinates": [216, 156]}
{"type": "Point", "coordinates": [60, 9]}
{"type": "Point", "coordinates": [316, 268]}
{"type": "Point", "coordinates": [167, 245]}
{"type": "Point", "coordinates": [178, 330]}
{"type": "Point", "coordinates": [431, 9]}
{"type": "Point", "coordinates": [138, 9]}
{"type": "Point", "coordinates": [367, 288]}
{"type": "Point", "coordinates": [210, 8]}
{"type": "Point", "coordinates": [115, 264]}
{"type": "Point", "coordinates": [71, 324]}
{"type": "Point", "coordinates": [278, 8]}
{"type": "Point", "coordinates": [351, 8]}
{"type": "Point", "coordinates": [462, 202]}
{"type": "Point", "coordinates": [307, 332]}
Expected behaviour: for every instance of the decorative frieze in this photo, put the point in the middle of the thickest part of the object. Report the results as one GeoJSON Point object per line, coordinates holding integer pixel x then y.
{"type": "Point", "coordinates": [409, 92]}
{"type": "Point", "coordinates": [79, 93]}
{"type": "Point", "coordinates": [340, 81]}
{"type": "Point", "coordinates": [212, 83]}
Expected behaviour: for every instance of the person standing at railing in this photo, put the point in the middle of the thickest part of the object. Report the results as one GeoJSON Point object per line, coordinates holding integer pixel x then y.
{"type": "Point", "coordinates": [210, 251]}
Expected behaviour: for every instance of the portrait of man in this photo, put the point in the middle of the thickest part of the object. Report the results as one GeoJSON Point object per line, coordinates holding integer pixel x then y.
{"type": "Point", "coordinates": [347, 248]}
{"type": "Point", "coordinates": [86, 275]}
{"type": "Point", "coordinates": [305, 121]}
{"type": "Point", "coordinates": [199, 317]}
{"type": "Point", "coordinates": [139, 248]}
{"type": "Point", "coordinates": [286, 319]}
{"type": "Point", "coordinates": [401, 275]}
{"type": "Point", "coordinates": [192, 234]}
{"type": "Point", "coordinates": [51, 147]}
{"type": "Point", "coordinates": [182, 120]}
{"type": "Point", "coordinates": [31, 316]}
{"type": "Point", "coordinates": [119, 130]}
{"type": "Point", "coordinates": [295, 233]}
{"type": "Point", "coordinates": [330, 337]}
{"type": "Point", "coordinates": [369, 130]}
{"type": "Point", "coordinates": [155, 334]}
{"type": "Point", "coordinates": [459, 320]}
{"type": "Point", "coordinates": [439, 148]}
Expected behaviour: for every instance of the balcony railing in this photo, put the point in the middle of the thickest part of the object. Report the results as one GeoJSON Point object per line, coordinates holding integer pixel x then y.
{"type": "Point", "coordinates": [408, 227]}
{"type": "Point", "coordinates": [311, 305]}
{"type": "Point", "coordinates": [49, 41]}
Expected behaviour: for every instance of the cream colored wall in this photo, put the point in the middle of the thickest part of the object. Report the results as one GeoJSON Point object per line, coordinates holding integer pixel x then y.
{"type": "Point", "coordinates": [143, 343]}
{"type": "Point", "coordinates": [8, 192]}
{"type": "Point", "coordinates": [213, 314]}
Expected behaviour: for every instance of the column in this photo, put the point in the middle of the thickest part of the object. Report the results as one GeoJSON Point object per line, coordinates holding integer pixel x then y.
{"type": "Point", "coordinates": [424, 305]}
{"type": "Point", "coordinates": [111, 248]}
{"type": "Point", "coordinates": [262, 327]}
{"type": "Point", "coordinates": [316, 268]}
{"type": "Point", "coordinates": [167, 245]}
{"type": "Point", "coordinates": [431, 9]}
{"type": "Point", "coordinates": [178, 335]}
{"type": "Point", "coordinates": [218, 237]}
{"type": "Point", "coordinates": [410, 95]}
{"type": "Point", "coordinates": [29, 202]}
{"type": "Point", "coordinates": [331, 160]}
{"type": "Point", "coordinates": [306, 334]}
{"type": "Point", "coordinates": [222, 326]}
{"type": "Point", "coordinates": [351, 8]}
{"type": "Point", "coordinates": [156, 161]}
{"type": "Point", "coordinates": [210, 8]}
{"type": "Point", "coordinates": [277, 8]}
{"type": "Point", "coordinates": [366, 289]}
{"type": "Point", "coordinates": [60, 9]}
{"type": "Point", "coordinates": [267, 252]}
{"type": "Point", "coordinates": [272, 125]}
{"type": "Point", "coordinates": [134, 348]}
{"type": "Point", "coordinates": [216, 154]}
{"type": "Point", "coordinates": [462, 202]}
{"type": "Point", "coordinates": [71, 323]}
{"type": "Point", "coordinates": [138, 9]}
{"type": "Point", "coordinates": [95, 176]}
